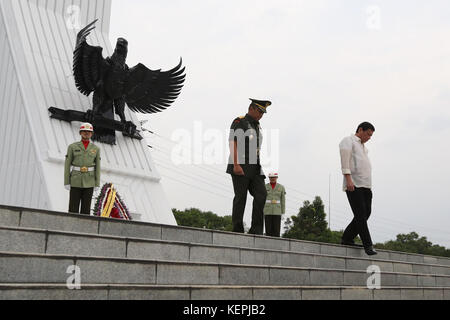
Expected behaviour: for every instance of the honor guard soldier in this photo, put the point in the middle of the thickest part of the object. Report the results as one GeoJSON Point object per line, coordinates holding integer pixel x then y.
{"type": "Point", "coordinates": [275, 206]}
{"type": "Point", "coordinates": [244, 166]}
{"type": "Point", "coordinates": [82, 171]}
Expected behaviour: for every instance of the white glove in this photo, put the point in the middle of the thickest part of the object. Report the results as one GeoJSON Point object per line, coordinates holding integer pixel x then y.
{"type": "Point", "coordinates": [96, 189]}
{"type": "Point", "coordinates": [67, 187]}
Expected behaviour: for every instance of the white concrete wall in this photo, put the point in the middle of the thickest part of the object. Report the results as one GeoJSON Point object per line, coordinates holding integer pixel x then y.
{"type": "Point", "coordinates": [36, 50]}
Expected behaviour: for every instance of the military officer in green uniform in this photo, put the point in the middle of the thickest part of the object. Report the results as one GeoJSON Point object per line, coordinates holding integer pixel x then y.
{"type": "Point", "coordinates": [82, 171]}
{"type": "Point", "coordinates": [275, 206]}
{"type": "Point", "coordinates": [244, 166]}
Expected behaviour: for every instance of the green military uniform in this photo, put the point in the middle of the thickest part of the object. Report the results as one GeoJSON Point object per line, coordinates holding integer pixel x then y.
{"type": "Point", "coordinates": [246, 131]}
{"type": "Point", "coordinates": [274, 209]}
{"type": "Point", "coordinates": [82, 173]}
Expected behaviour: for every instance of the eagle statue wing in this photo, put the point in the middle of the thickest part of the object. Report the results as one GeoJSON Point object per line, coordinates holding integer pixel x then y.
{"type": "Point", "coordinates": [149, 91]}
{"type": "Point", "coordinates": [88, 62]}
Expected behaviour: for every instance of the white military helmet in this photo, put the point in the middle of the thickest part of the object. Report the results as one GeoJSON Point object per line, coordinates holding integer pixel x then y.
{"type": "Point", "coordinates": [87, 127]}
{"type": "Point", "coordinates": [273, 175]}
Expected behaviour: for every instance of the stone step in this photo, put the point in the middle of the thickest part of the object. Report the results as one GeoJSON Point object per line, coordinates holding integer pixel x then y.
{"type": "Point", "coordinates": [27, 240]}
{"type": "Point", "coordinates": [220, 293]}
{"type": "Point", "coordinates": [41, 268]}
{"type": "Point", "coordinates": [18, 217]}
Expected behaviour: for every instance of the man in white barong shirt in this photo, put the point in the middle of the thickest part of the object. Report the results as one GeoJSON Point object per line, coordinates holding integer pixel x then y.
{"type": "Point", "coordinates": [357, 171]}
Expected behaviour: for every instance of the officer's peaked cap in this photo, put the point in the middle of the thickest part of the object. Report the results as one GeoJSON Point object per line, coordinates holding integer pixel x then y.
{"type": "Point", "coordinates": [261, 104]}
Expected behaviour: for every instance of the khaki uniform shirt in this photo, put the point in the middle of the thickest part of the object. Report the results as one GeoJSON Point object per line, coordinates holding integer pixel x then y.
{"type": "Point", "coordinates": [78, 156]}
{"type": "Point", "coordinates": [276, 200]}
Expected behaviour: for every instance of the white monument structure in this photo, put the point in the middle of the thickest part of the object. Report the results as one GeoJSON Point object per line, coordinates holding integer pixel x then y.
{"type": "Point", "coordinates": [37, 39]}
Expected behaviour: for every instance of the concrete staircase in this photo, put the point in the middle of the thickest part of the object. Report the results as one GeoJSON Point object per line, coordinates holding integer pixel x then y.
{"type": "Point", "coordinates": [132, 260]}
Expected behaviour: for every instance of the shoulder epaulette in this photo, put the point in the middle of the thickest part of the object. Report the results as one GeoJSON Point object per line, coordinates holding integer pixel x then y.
{"type": "Point", "coordinates": [237, 120]}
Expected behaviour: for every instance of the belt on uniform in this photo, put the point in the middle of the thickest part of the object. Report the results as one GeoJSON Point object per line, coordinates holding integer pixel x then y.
{"type": "Point", "coordinates": [83, 169]}
{"type": "Point", "coordinates": [273, 201]}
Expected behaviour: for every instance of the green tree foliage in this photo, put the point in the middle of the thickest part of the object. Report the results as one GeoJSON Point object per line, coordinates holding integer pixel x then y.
{"type": "Point", "coordinates": [310, 224]}
{"type": "Point", "coordinates": [198, 219]}
{"type": "Point", "coordinates": [413, 243]}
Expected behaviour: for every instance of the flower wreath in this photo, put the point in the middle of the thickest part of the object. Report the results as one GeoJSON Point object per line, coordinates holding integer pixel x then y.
{"type": "Point", "coordinates": [110, 205]}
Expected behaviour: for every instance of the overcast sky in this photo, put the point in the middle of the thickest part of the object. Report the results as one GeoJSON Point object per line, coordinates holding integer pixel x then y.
{"type": "Point", "coordinates": [327, 65]}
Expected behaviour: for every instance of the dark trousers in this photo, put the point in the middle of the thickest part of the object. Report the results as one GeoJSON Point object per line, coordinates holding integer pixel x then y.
{"type": "Point", "coordinates": [273, 226]}
{"type": "Point", "coordinates": [83, 196]}
{"type": "Point", "coordinates": [361, 204]}
{"type": "Point", "coordinates": [257, 188]}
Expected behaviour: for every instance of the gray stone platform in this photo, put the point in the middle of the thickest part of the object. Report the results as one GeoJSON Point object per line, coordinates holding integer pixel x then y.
{"type": "Point", "coordinates": [133, 260]}
{"type": "Point", "coordinates": [233, 293]}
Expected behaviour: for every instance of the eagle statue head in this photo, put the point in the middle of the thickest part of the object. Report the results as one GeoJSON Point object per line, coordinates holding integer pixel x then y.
{"type": "Point", "coordinates": [122, 47]}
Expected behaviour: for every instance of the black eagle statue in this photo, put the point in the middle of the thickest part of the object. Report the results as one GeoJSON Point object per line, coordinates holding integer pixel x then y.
{"type": "Point", "coordinates": [115, 85]}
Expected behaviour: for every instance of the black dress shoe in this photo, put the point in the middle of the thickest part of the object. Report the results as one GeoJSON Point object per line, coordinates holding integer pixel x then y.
{"type": "Point", "coordinates": [370, 251]}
